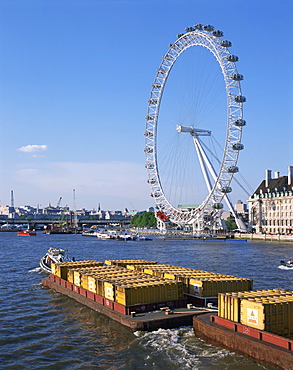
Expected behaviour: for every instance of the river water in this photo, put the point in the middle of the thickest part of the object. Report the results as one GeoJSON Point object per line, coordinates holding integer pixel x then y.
{"type": "Point", "coordinates": [42, 329]}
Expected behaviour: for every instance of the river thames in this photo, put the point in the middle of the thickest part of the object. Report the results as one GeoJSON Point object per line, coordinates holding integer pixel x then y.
{"type": "Point", "coordinates": [41, 329]}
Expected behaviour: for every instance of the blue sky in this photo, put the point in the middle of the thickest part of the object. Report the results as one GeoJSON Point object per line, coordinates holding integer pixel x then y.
{"type": "Point", "coordinates": [75, 79]}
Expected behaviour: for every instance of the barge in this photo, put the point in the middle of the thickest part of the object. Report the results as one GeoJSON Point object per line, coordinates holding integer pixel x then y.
{"type": "Point", "coordinates": [144, 296]}
{"type": "Point", "coordinates": [261, 346]}
{"type": "Point", "coordinates": [138, 317]}
{"type": "Point", "coordinates": [141, 295]}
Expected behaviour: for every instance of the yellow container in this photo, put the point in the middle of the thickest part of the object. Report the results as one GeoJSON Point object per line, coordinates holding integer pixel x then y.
{"type": "Point", "coordinates": [61, 271]}
{"type": "Point", "coordinates": [128, 295]}
{"type": "Point", "coordinates": [84, 280]}
{"type": "Point", "coordinates": [122, 297]}
{"type": "Point", "coordinates": [124, 263]}
{"type": "Point", "coordinates": [70, 276]}
{"type": "Point", "coordinates": [229, 303]}
{"type": "Point", "coordinates": [275, 317]}
{"type": "Point", "coordinates": [92, 284]}
{"type": "Point", "coordinates": [150, 271]}
{"type": "Point", "coordinates": [109, 291]}
{"type": "Point", "coordinates": [100, 286]}
{"type": "Point", "coordinates": [76, 277]}
{"type": "Point", "coordinates": [53, 268]}
{"type": "Point", "coordinates": [211, 286]}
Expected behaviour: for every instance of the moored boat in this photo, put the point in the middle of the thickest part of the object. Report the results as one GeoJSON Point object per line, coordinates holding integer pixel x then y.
{"type": "Point", "coordinates": [54, 255]}
{"type": "Point", "coordinates": [89, 233]}
{"type": "Point", "coordinates": [26, 233]}
{"type": "Point", "coordinates": [107, 234]}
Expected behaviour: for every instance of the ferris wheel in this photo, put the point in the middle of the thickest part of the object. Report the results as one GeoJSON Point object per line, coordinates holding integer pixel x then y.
{"type": "Point", "coordinates": [194, 127]}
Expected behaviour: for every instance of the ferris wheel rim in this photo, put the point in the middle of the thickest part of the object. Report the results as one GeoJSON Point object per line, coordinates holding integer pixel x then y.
{"type": "Point", "coordinates": [195, 37]}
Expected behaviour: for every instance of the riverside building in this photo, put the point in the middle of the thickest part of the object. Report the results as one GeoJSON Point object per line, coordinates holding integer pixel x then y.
{"type": "Point", "coordinates": [271, 205]}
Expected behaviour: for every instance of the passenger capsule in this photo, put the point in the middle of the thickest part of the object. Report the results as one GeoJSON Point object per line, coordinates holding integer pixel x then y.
{"type": "Point", "coordinates": [198, 26]}
{"type": "Point", "coordinates": [218, 205]}
{"type": "Point", "coordinates": [226, 189]}
{"type": "Point", "coordinates": [189, 29]}
{"type": "Point", "coordinates": [148, 134]}
{"type": "Point", "coordinates": [150, 118]}
{"type": "Point", "coordinates": [232, 169]}
{"type": "Point", "coordinates": [232, 58]}
{"type": "Point", "coordinates": [157, 86]}
{"type": "Point", "coordinates": [149, 165]}
{"type": "Point", "coordinates": [240, 122]}
{"type": "Point", "coordinates": [208, 27]}
{"type": "Point", "coordinates": [207, 218]}
{"type": "Point", "coordinates": [155, 195]}
{"type": "Point", "coordinates": [148, 150]}
{"type": "Point", "coordinates": [151, 181]}
{"type": "Point", "coordinates": [180, 35]}
{"type": "Point", "coordinates": [237, 146]}
{"type": "Point", "coordinates": [237, 77]}
{"type": "Point", "coordinates": [226, 43]}
{"type": "Point", "coordinates": [218, 33]}
{"type": "Point", "coordinates": [240, 99]}
{"type": "Point", "coordinates": [153, 101]}
{"type": "Point", "coordinates": [173, 46]}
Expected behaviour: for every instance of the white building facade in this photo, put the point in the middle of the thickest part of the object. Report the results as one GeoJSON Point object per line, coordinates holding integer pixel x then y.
{"type": "Point", "coordinates": [271, 205]}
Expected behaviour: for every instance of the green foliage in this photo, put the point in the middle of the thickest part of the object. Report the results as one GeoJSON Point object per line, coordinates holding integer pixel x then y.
{"type": "Point", "coordinates": [146, 219]}
{"type": "Point", "coordinates": [27, 218]}
{"type": "Point", "coordinates": [230, 224]}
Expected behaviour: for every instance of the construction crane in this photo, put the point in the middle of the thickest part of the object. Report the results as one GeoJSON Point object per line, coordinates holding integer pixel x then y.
{"type": "Point", "coordinates": [59, 201]}
{"type": "Point", "coordinates": [132, 210]}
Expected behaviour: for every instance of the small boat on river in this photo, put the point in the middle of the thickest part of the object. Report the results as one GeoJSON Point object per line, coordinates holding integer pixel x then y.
{"type": "Point", "coordinates": [89, 233]}
{"type": "Point", "coordinates": [54, 255]}
{"type": "Point", "coordinates": [27, 233]}
{"type": "Point", "coordinates": [122, 235]}
{"type": "Point", "coordinates": [288, 264]}
{"type": "Point", "coordinates": [105, 235]}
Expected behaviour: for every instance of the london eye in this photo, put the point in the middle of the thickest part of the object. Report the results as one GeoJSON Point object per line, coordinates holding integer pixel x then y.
{"type": "Point", "coordinates": [194, 128]}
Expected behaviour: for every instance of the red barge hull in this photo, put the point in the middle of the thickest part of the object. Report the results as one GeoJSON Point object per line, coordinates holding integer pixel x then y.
{"type": "Point", "coordinates": [266, 348]}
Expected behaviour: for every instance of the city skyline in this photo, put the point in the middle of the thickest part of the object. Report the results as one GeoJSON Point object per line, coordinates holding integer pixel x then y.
{"type": "Point", "coordinates": [75, 81]}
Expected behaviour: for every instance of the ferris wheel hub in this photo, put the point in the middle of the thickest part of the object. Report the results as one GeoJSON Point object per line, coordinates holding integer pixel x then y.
{"type": "Point", "coordinates": [193, 131]}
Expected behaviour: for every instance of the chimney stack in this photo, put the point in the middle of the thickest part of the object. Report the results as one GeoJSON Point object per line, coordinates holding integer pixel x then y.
{"type": "Point", "coordinates": [277, 174]}
{"type": "Point", "coordinates": [268, 177]}
{"type": "Point", "coordinates": [290, 175]}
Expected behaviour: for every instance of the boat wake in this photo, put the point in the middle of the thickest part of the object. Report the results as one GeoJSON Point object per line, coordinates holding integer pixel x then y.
{"type": "Point", "coordinates": [37, 269]}
{"type": "Point", "coordinates": [179, 348]}
{"type": "Point", "coordinates": [282, 267]}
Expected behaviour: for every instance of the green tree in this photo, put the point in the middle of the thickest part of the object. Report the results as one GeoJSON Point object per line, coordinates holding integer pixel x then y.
{"type": "Point", "coordinates": [146, 219]}
{"type": "Point", "coordinates": [230, 224]}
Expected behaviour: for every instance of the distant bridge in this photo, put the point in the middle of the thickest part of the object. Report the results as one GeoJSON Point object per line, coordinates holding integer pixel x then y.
{"type": "Point", "coordinates": [124, 222]}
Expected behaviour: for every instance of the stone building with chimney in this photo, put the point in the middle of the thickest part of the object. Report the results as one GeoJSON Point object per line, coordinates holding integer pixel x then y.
{"type": "Point", "coordinates": [271, 205]}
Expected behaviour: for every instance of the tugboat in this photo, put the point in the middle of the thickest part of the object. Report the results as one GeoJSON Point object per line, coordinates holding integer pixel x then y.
{"type": "Point", "coordinates": [54, 255]}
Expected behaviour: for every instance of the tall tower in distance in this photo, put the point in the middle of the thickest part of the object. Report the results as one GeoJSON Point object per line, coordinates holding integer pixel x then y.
{"type": "Point", "coordinates": [11, 208]}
